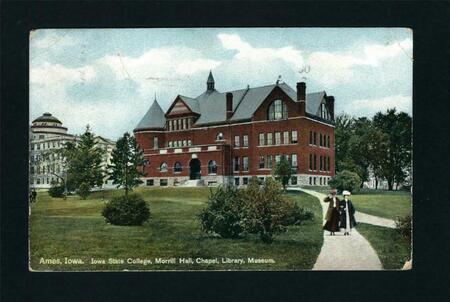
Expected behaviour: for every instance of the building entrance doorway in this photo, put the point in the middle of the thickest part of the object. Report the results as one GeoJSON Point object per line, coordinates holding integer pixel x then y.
{"type": "Point", "coordinates": [194, 169]}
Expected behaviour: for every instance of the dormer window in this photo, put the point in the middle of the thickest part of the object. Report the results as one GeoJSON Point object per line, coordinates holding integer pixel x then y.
{"type": "Point", "coordinates": [324, 112]}
{"type": "Point", "coordinates": [277, 110]}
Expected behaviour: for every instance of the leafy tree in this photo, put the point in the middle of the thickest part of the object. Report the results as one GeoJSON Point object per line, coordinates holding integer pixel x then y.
{"type": "Point", "coordinates": [126, 159]}
{"type": "Point", "coordinates": [283, 171]}
{"type": "Point", "coordinates": [126, 210]}
{"type": "Point", "coordinates": [377, 148]}
{"type": "Point", "coordinates": [84, 160]}
{"type": "Point", "coordinates": [342, 136]}
{"type": "Point", "coordinates": [345, 180]}
{"type": "Point", "coordinates": [56, 190]}
{"type": "Point", "coordinates": [397, 127]}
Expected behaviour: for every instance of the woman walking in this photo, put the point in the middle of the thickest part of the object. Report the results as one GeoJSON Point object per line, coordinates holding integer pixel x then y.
{"type": "Point", "coordinates": [347, 214]}
{"type": "Point", "coordinates": [332, 216]}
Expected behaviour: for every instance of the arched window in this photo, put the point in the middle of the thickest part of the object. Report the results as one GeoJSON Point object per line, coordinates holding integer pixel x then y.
{"type": "Point", "coordinates": [163, 167]}
{"type": "Point", "coordinates": [277, 110]}
{"type": "Point", "coordinates": [177, 167]}
{"type": "Point", "coordinates": [212, 167]}
{"type": "Point", "coordinates": [219, 136]}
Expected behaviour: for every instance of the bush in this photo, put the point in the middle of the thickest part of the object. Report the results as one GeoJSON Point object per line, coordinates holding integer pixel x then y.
{"type": "Point", "coordinates": [223, 213]}
{"type": "Point", "coordinates": [266, 211]}
{"type": "Point", "coordinates": [403, 226]}
{"type": "Point", "coordinates": [345, 180]}
{"type": "Point", "coordinates": [126, 210]}
{"type": "Point", "coordinates": [56, 190]}
{"type": "Point", "coordinates": [84, 190]}
{"type": "Point", "coordinates": [295, 215]}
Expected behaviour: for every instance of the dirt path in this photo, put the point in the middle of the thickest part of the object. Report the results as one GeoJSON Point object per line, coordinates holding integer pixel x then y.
{"type": "Point", "coordinates": [344, 252]}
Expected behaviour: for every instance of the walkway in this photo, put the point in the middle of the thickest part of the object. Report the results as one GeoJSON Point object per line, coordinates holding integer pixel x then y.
{"type": "Point", "coordinates": [344, 252]}
{"type": "Point", "coordinates": [375, 220]}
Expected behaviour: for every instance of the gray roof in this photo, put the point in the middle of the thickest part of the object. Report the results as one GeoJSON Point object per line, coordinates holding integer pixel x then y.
{"type": "Point", "coordinates": [153, 119]}
{"type": "Point", "coordinates": [212, 104]}
{"type": "Point", "coordinates": [192, 103]}
{"type": "Point", "coordinates": [47, 117]}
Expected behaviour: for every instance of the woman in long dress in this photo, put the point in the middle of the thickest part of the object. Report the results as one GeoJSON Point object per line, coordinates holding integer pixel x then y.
{"type": "Point", "coordinates": [347, 214]}
{"type": "Point", "coordinates": [332, 216]}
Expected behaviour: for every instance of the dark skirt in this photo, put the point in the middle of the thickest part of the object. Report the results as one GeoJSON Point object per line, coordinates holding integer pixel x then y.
{"type": "Point", "coordinates": [332, 225]}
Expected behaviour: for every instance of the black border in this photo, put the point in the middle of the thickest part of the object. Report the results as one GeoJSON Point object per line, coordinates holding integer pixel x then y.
{"type": "Point", "coordinates": [427, 280]}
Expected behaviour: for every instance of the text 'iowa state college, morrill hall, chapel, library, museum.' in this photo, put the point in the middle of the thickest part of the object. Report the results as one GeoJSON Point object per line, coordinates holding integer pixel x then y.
{"type": "Point", "coordinates": [221, 137]}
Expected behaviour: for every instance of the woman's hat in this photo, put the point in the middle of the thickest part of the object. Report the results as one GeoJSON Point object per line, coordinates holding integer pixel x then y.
{"type": "Point", "coordinates": [346, 193]}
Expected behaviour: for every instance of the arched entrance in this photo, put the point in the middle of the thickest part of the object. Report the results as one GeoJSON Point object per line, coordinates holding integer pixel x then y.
{"type": "Point", "coordinates": [194, 169]}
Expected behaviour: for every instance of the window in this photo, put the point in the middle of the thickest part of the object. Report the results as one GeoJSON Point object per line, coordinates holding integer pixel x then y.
{"type": "Point", "coordinates": [320, 180]}
{"type": "Point", "coordinates": [320, 140]}
{"type": "Point", "coordinates": [155, 142]}
{"type": "Point", "coordinates": [310, 137]}
{"type": "Point", "coordinates": [163, 167]}
{"type": "Point", "coordinates": [321, 163]}
{"type": "Point", "coordinates": [269, 162]}
{"type": "Point", "coordinates": [189, 143]}
{"type": "Point", "coordinates": [286, 137]}
{"type": "Point", "coordinates": [294, 180]}
{"type": "Point", "coordinates": [277, 138]}
{"type": "Point", "coordinates": [261, 161]}
{"type": "Point", "coordinates": [328, 142]}
{"type": "Point", "coordinates": [236, 181]}
{"type": "Point", "coordinates": [294, 160]}
{"type": "Point", "coordinates": [269, 139]}
{"type": "Point", "coordinates": [179, 124]}
{"type": "Point", "coordinates": [315, 138]}
{"type": "Point", "coordinates": [277, 158]}
{"type": "Point", "coordinates": [177, 167]}
{"type": "Point", "coordinates": [315, 162]}
{"type": "Point", "coordinates": [170, 144]}
{"type": "Point", "coordinates": [245, 140]}
{"type": "Point", "coordinates": [324, 112]}
{"type": "Point", "coordinates": [219, 136]}
{"type": "Point", "coordinates": [184, 124]}
{"type": "Point", "coordinates": [169, 125]}
{"type": "Point", "coordinates": [315, 180]}
{"type": "Point", "coordinates": [185, 143]}
{"type": "Point", "coordinates": [261, 139]}
{"type": "Point", "coordinates": [163, 182]}
{"type": "Point", "coordinates": [310, 162]}
{"type": "Point", "coordinates": [180, 143]}
{"type": "Point", "coordinates": [260, 180]}
{"type": "Point", "coordinates": [328, 160]}
{"type": "Point", "coordinates": [31, 170]}
{"type": "Point", "coordinates": [245, 180]}
{"type": "Point", "coordinates": [212, 167]}
{"type": "Point", "coordinates": [294, 138]}
{"type": "Point", "coordinates": [38, 181]}
{"type": "Point", "coordinates": [236, 141]}
{"type": "Point", "coordinates": [236, 164]}
{"type": "Point", "coordinates": [245, 163]}
{"type": "Point", "coordinates": [277, 110]}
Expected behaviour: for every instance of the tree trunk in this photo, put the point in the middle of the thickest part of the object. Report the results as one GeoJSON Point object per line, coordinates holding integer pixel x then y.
{"type": "Point", "coordinates": [390, 184]}
{"type": "Point", "coordinates": [376, 183]}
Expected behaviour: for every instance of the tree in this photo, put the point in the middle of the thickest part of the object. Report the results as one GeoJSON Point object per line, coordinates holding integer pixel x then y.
{"type": "Point", "coordinates": [126, 159]}
{"type": "Point", "coordinates": [342, 136]}
{"type": "Point", "coordinates": [345, 180]}
{"type": "Point", "coordinates": [377, 148]}
{"type": "Point", "coordinates": [84, 161]}
{"type": "Point", "coordinates": [397, 127]}
{"type": "Point", "coordinates": [283, 170]}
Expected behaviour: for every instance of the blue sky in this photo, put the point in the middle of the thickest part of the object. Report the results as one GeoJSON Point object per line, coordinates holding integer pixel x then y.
{"type": "Point", "coordinates": [108, 78]}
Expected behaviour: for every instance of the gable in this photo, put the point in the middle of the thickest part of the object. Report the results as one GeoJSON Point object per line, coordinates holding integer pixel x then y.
{"type": "Point", "coordinates": [178, 108]}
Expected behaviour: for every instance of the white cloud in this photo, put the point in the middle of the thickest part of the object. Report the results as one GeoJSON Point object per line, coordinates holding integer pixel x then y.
{"type": "Point", "coordinates": [247, 52]}
{"type": "Point", "coordinates": [51, 40]}
{"type": "Point", "coordinates": [368, 107]}
{"type": "Point", "coordinates": [330, 68]}
{"type": "Point", "coordinates": [56, 75]}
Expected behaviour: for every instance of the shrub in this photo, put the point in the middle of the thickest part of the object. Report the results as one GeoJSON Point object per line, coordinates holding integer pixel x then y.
{"type": "Point", "coordinates": [266, 211]}
{"type": "Point", "coordinates": [403, 226]}
{"type": "Point", "coordinates": [56, 190]}
{"type": "Point", "coordinates": [295, 215]}
{"type": "Point", "coordinates": [345, 180]}
{"type": "Point", "coordinates": [84, 190]}
{"type": "Point", "coordinates": [223, 213]}
{"type": "Point", "coordinates": [126, 210]}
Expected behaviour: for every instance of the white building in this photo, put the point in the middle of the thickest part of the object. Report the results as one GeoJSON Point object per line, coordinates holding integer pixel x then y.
{"type": "Point", "coordinates": [47, 134]}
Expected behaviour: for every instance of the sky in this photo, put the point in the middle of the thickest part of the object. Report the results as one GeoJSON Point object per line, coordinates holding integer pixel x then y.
{"type": "Point", "coordinates": [108, 78]}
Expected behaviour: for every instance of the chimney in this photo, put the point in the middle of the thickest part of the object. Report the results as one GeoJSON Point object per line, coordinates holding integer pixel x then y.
{"type": "Point", "coordinates": [229, 105]}
{"type": "Point", "coordinates": [330, 105]}
{"type": "Point", "coordinates": [301, 98]}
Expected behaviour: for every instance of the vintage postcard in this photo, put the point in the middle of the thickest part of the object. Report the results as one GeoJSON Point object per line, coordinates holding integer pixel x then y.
{"type": "Point", "coordinates": [193, 149]}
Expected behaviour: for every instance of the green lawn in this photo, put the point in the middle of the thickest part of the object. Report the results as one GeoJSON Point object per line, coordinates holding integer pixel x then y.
{"type": "Point", "coordinates": [75, 229]}
{"type": "Point", "coordinates": [392, 249]}
{"type": "Point", "coordinates": [387, 204]}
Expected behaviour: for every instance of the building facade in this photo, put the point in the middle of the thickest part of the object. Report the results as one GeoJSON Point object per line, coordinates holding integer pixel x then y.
{"type": "Point", "coordinates": [229, 137]}
{"type": "Point", "coordinates": [47, 135]}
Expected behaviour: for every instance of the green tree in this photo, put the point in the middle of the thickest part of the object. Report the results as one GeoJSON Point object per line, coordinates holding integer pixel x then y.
{"type": "Point", "coordinates": [84, 163]}
{"type": "Point", "coordinates": [283, 171]}
{"type": "Point", "coordinates": [397, 127]}
{"type": "Point", "coordinates": [345, 180]}
{"type": "Point", "coordinates": [342, 136]}
{"type": "Point", "coordinates": [377, 148]}
{"type": "Point", "coordinates": [126, 159]}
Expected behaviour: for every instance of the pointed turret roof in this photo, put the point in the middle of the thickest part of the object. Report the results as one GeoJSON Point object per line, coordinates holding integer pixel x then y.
{"type": "Point", "coordinates": [210, 78]}
{"type": "Point", "coordinates": [153, 119]}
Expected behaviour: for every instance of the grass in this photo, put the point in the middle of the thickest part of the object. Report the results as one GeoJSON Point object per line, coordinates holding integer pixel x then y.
{"type": "Point", "coordinates": [392, 249]}
{"type": "Point", "coordinates": [387, 204]}
{"type": "Point", "coordinates": [74, 228]}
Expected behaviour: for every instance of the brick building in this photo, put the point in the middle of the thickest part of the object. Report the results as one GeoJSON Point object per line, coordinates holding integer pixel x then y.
{"type": "Point", "coordinates": [221, 137]}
